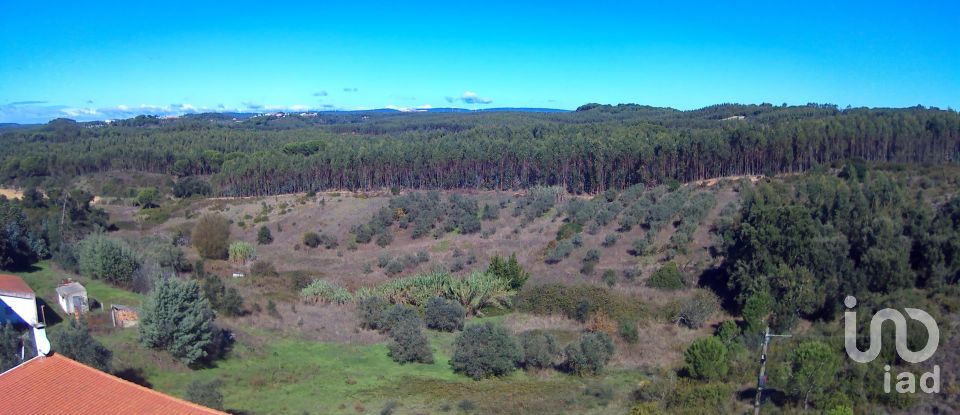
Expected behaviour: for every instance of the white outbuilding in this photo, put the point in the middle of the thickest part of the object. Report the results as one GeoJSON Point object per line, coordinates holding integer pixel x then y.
{"type": "Point", "coordinates": [73, 298]}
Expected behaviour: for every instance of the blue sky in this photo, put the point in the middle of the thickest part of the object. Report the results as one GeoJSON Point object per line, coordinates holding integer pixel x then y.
{"type": "Point", "coordinates": [101, 60]}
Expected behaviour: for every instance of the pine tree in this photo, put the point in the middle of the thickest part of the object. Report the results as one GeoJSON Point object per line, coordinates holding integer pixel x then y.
{"type": "Point", "coordinates": [177, 318]}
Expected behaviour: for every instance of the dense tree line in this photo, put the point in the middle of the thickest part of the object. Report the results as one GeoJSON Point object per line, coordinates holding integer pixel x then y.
{"type": "Point", "coordinates": [591, 150]}
{"type": "Point", "coordinates": [798, 249]}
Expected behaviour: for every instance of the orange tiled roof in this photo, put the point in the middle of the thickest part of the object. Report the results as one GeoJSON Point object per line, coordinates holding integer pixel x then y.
{"type": "Point", "coordinates": [14, 285]}
{"type": "Point", "coordinates": [58, 385]}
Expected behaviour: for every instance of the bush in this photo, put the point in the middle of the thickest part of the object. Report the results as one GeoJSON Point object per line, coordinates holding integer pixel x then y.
{"type": "Point", "coordinates": [610, 278]}
{"type": "Point", "coordinates": [610, 240]}
{"type": "Point", "coordinates": [398, 314]}
{"type": "Point", "coordinates": [263, 269]}
{"type": "Point", "coordinates": [176, 317]}
{"type": "Point", "coordinates": [444, 315]}
{"type": "Point", "coordinates": [484, 350]}
{"type": "Point", "coordinates": [696, 310]}
{"type": "Point", "coordinates": [189, 186]}
{"type": "Point", "coordinates": [590, 261]}
{"type": "Point", "coordinates": [205, 393]}
{"type": "Point", "coordinates": [666, 278]}
{"type": "Point", "coordinates": [210, 237]}
{"type": "Point", "coordinates": [148, 197]}
{"type": "Point", "coordinates": [640, 247]}
{"type": "Point", "coordinates": [728, 331]}
{"type": "Point", "coordinates": [588, 355]}
{"type": "Point", "coordinates": [394, 267]}
{"type": "Point", "coordinates": [311, 239]}
{"type": "Point", "coordinates": [409, 344]}
{"type": "Point", "coordinates": [562, 299]}
{"type": "Point", "coordinates": [370, 312]}
{"type": "Point", "coordinates": [539, 349]}
{"type": "Point", "coordinates": [384, 239]}
{"type": "Point", "coordinates": [629, 332]}
{"type": "Point", "coordinates": [264, 237]}
{"type": "Point", "coordinates": [75, 342]}
{"type": "Point", "coordinates": [559, 252]}
{"type": "Point", "coordinates": [706, 358]}
{"type": "Point", "coordinates": [108, 259]}
{"type": "Point", "coordinates": [508, 270]}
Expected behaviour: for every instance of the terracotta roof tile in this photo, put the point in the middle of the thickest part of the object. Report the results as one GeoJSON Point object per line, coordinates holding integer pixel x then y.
{"type": "Point", "coordinates": [14, 285]}
{"type": "Point", "coordinates": [58, 385]}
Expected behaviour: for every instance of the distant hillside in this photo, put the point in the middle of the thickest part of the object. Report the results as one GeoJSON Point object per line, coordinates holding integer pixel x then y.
{"type": "Point", "coordinates": [590, 150]}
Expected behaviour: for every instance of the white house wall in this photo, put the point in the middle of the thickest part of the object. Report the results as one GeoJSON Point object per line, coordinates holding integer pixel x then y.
{"type": "Point", "coordinates": [26, 308]}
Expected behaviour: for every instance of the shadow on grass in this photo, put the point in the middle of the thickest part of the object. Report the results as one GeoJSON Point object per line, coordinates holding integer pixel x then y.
{"type": "Point", "coordinates": [135, 375]}
{"type": "Point", "coordinates": [48, 314]}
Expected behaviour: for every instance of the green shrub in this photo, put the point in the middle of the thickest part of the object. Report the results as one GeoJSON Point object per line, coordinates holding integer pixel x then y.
{"type": "Point", "coordinates": [205, 393]}
{"type": "Point", "coordinates": [444, 315]}
{"type": "Point", "coordinates": [409, 344]}
{"type": "Point", "coordinates": [484, 350]}
{"type": "Point", "coordinates": [728, 331]}
{"type": "Point", "coordinates": [589, 355]}
{"type": "Point", "coordinates": [508, 270]}
{"type": "Point", "coordinates": [628, 332]}
{"type": "Point", "coordinates": [264, 237]}
{"type": "Point", "coordinates": [263, 269]}
{"type": "Point", "coordinates": [666, 278]}
{"type": "Point", "coordinates": [568, 230]}
{"type": "Point", "coordinates": [109, 259]}
{"type": "Point", "coordinates": [539, 349]}
{"type": "Point", "coordinates": [74, 341]}
{"type": "Point", "coordinates": [590, 261]}
{"type": "Point", "coordinates": [562, 299]}
{"type": "Point", "coordinates": [559, 252]}
{"type": "Point", "coordinates": [610, 278]}
{"type": "Point", "coordinates": [384, 239]}
{"type": "Point", "coordinates": [610, 240]}
{"type": "Point", "coordinates": [696, 398]}
{"type": "Point", "coordinates": [370, 311]}
{"type": "Point", "coordinates": [706, 359]}
{"type": "Point", "coordinates": [398, 314]}
{"type": "Point", "coordinates": [210, 237]}
{"type": "Point", "coordinates": [311, 239]}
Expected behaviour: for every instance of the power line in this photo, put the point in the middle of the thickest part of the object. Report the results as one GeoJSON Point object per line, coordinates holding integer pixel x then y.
{"type": "Point", "coordinates": [761, 380]}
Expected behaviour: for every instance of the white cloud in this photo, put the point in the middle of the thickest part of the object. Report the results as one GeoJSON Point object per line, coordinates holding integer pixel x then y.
{"type": "Point", "coordinates": [470, 97]}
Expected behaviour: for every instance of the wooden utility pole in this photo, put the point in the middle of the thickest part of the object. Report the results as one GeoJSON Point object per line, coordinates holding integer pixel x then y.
{"type": "Point", "coordinates": [762, 381]}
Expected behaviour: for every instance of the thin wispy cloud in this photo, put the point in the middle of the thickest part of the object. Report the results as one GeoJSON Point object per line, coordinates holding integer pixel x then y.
{"type": "Point", "coordinates": [28, 102]}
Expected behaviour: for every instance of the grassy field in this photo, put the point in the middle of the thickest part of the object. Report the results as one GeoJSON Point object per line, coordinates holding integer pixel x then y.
{"type": "Point", "coordinates": [274, 372]}
{"type": "Point", "coordinates": [293, 376]}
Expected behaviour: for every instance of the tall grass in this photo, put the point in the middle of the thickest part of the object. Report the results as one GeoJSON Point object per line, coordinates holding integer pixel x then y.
{"type": "Point", "coordinates": [474, 292]}
{"type": "Point", "coordinates": [320, 291]}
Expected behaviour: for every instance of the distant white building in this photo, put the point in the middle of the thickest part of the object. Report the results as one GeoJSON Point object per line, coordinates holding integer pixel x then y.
{"type": "Point", "coordinates": [73, 298]}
